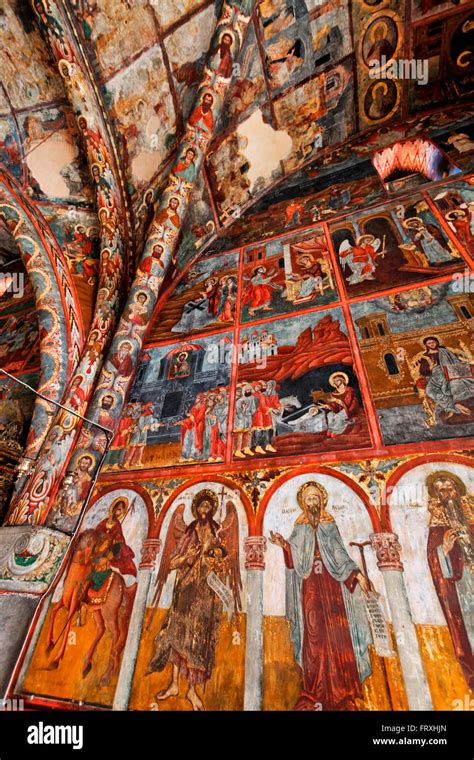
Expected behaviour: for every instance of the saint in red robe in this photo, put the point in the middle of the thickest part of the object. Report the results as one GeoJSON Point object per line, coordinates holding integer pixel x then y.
{"type": "Point", "coordinates": [123, 554]}
{"type": "Point", "coordinates": [322, 633]}
{"type": "Point", "coordinates": [447, 573]}
{"type": "Point", "coordinates": [202, 118]}
{"type": "Point", "coordinates": [258, 293]}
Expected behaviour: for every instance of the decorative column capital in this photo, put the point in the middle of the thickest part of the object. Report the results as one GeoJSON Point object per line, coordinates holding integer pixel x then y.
{"type": "Point", "coordinates": [255, 552]}
{"type": "Point", "coordinates": [387, 549]}
{"type": "Point", "coordinates": [150, 550]}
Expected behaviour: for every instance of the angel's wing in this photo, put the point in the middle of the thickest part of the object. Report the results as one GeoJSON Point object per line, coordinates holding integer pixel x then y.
{"type": "Point", "coordinates": [176, 530]}
{"type": "Point", "coordinates": [376, 244]}
{"type": "Point", "coordinates": [345, 246]}
{"type": "Point", "coordinates": [229, 536]}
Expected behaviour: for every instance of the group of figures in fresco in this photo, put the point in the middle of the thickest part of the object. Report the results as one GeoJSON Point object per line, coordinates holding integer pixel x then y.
{"type": "Point", "coordinates": [215, 303]}
{"type": "Point", "coordinates": [260, 414]}
{"type": "Point", "coordinates": [324, 585]}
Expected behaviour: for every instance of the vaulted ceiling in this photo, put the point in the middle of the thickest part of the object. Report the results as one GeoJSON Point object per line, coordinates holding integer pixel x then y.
{"type": "Point", "coordinates": [302, 107]}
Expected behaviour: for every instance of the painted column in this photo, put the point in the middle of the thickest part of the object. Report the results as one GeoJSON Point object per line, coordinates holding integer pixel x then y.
{"type": "Point", "coordinates": [159, 254]}
{"type": "Point", "coordinates": [387, 549]}
{"type": "Point", "coordinates": [56, 301]}
{"type": "Point", "coordinates": [35, 497]}
{"type": "Point", "coordinates": [255, 565]}
{"type": "Point", "coordinates": [150, 549]}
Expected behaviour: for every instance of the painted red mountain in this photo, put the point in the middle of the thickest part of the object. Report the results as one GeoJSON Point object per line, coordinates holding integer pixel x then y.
{"type": "Point", "coordinates": [323, 344]}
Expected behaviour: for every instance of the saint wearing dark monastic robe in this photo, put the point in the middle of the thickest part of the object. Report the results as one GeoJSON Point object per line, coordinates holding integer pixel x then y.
{"type": "Point", "coordinates": [325, 605]}
{"type": "Point", "coordinates": [450, 557]}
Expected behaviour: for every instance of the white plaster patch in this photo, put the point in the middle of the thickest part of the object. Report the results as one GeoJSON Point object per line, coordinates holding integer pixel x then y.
{"type": "Point", "coordinates": [263, 146]}
{"type": "Point", "coordinates": [46, 159]}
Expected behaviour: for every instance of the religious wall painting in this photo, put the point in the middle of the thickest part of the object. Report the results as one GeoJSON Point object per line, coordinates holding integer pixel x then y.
{"type": "Point", "coordinates": [317, 114]}
{"type": "Point", "coordinates": [199, 225]}
{"type": "Point", "coordinates": [50, 145]}
{"type": "Point", "coordinates": [447, 49]}
{"type": "Point", "coordinates": [142, 106]}
{"type": "Point", "coordinates": [25, 398]}
{"type": "Point", "coordinates": [229, 169]}
{"type": "Point", "coordinates": [19, 331]}
{"type": "Point", "coordinates": [178, 407]}
{"type": "Point", "coordinates": [170, 12]}
{"type": "Point", "coordinates": [27, 71]}
{"type": "Point", "coordinates": [381, 100]}
{"type": "Point", "coordinates": [380, 41]}
{"type": "Point", "coordinates": [431, 510]}
{"type": "Point", "coordinates": [248, 90]}
{"type": "Point", "coordinates": [116, 32]}
{"type": "Point", "coordinates": [78, 654]}
{"type": "Point", "coordinates": [186, 48]}
{"type": "Point", "coordinates": [318, 192]}
{"type": "Point", "coordinates": [276, 16]}
{"type": "Point", "coordinates": [457, 141]}
{"type": "Point", "coordinates": [423, 9]}
{"type": "Point", "coordinates": [287, 274]}
{"type": "Point", "coordinates": [298, 50]}
{"type": "Point", "coordinates": [325, 601]}
{"type": "Point", "coordinates": [297, 389]}
{"type": "Point", "coordinates": [417, 349]}
{"type": "Point", "coordinates": [393, 245]}
{"type": "Point", "coordinates": [192, 650]}
{"type": "Point", "coordinates": [204, 300]}
{"type": "Point", "coordinates": [10, 146]}
{"type": "Point", "coordinates": [456, 204]}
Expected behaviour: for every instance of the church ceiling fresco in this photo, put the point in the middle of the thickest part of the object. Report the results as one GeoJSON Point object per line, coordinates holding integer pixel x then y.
{"type": "Point", "coordinates": [245, 236]}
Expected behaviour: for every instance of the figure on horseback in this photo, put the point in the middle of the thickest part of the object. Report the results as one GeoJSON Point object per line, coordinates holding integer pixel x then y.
{"type": "Point", "coordinates": [94, 581]}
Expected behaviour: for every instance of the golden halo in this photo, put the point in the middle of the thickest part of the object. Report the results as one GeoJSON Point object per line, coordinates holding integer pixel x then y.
{"type": "Point", "coordinates": [445, 474]}
{"type": "Point", "coordinates": [338, 374]}
{"type": "Point", "coordinates": [230, 34]}
{"type": "Point", "coordinates": [85, 456]}
{"type": "Point", "coordinates": [379, 86]}
{"type": "Point", "coordinates": [376, 27]}
{"type": "Point", "coordinates": [417, 219]}
{"type": "Point", "coordinates": [312, 484]}
{"type": "Point", "coordinates": [324, 516]}
{"type": "Point", "coordinates": [303, 255]}
{"type": "Point", "coordinates": [454, 214]}
{"type": "Point", "coordinates": [435, 337]}
{"type": "Point", "coordinates": [205, 495]}
{"type": "Point", "coordinates": [115, 502]}
{"type": "Point", "coordinates": [109, 394]}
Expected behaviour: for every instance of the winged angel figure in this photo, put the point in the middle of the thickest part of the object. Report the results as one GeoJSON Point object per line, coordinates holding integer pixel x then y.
{"type": "Point", "coordinates": [205, 556]}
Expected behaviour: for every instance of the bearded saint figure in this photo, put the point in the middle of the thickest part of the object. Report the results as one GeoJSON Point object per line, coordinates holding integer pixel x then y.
{"type": "Point", "coordinates": [451, 558]}
{"type": "Point", "coordinates": [205, 555]}
{"type": "Point", "coordinates": [325, 605]}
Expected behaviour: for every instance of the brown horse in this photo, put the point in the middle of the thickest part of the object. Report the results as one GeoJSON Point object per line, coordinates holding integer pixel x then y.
{"type": "Point", "coordinates": [107, 614]}
{"type": "Point", "coordinates": [107, 617]}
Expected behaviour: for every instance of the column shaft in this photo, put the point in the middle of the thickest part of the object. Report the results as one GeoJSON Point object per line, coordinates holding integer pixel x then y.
{"type": "Point", "coordinates": [255, 565]}
{"type": "Point", "coordinates": [132, 644]}
{"type": "Point", "coordinates": [387, 549]}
